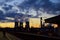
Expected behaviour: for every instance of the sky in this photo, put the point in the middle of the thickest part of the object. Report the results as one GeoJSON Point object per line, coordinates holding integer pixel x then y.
{"type": "Point", "coordinates": [10, 8]}
{"type": "Point", "coordinates": [15, 2]}
{"type": "Point", "coordinates": [55, 1]}
{"type": "Point", "coordinates": [20, 1]}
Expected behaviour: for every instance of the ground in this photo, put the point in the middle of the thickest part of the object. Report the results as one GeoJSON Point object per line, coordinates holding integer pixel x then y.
{"type": "Point", "coordinates": [8, 36]}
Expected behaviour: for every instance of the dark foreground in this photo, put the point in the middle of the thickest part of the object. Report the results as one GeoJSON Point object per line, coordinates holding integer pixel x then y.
{"type": "Point", "coordinates": [24, 35]}
{"type": "Point", "coordinates": [30, 36]}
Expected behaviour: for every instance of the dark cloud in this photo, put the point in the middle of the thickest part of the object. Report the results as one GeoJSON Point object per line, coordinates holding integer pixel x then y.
{"type": "Point", "coordinates": [47, 5]}
{"type": "Point", "coordinates": [8, 0]}
{"type": "Point", "coordinates": [7, 7]}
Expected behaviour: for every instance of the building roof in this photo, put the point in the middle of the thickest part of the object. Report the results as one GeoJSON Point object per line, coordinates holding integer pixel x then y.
{"type": "Point", "coordinates": [55, 19]}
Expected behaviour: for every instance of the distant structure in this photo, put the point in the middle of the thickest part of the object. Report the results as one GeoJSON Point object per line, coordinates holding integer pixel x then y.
{"type": "Point", "coordinates": [21, 22]}
{"type": "Point", "coordinates": [27, 22]}
{"type": "Point", "coordinates": [55, 20]}
{"type": "Point", "coordinates": [41, 21]}
{"type": "Point", "coordinates": [16, 21]}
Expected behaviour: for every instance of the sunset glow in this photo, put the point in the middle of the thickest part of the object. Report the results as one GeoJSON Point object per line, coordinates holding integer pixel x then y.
{"type": "Point", "coordinates": [34, 23]}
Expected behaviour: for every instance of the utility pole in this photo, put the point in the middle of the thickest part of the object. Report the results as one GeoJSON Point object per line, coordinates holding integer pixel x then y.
{"type": "Point", "coordinates": [41, 21]}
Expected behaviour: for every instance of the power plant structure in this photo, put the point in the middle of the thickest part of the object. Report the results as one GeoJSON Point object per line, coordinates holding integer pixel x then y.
{"type": "Point", "coordinates": [16, 22]}
{"type": "Point", "coordinates": [19, 24]}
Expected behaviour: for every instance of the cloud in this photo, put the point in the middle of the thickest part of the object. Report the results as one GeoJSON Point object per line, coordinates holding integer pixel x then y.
{"type": "Point", "coordinates": [9, 18]}
{"type": "Point", "coordinates": [14, 2]}
{"type": "Point", "coordinates": [47, 5]}
{"type": "Point", "coordinates": [30, 8]}
{"type": "Point", "coordinates": [1, 9]}
{"type": "Point", "coordinates": [46, 15]}
{"type": "Point", "coordinates": [55, 1]}
{"type": "Point", "coordinates": [32, 12]}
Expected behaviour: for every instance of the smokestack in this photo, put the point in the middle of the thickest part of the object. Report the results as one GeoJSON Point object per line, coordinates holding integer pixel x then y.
{"type": "Point", "coordinates": [41, 21]}
{"type": "Point", "coordinates": [16, 22]}
{"type": "Point", "coordinates": [27, 24]}
{"type": "Point", "coordinates": [21, 21]}
{"type": "Point", "coordinates": [21, 24]}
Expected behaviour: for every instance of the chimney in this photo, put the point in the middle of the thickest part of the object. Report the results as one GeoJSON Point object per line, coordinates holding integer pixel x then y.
{"type": "Point", "coordinates": [16, 21]}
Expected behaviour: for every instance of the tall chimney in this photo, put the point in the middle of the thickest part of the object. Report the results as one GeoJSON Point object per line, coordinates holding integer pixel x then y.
{"type": "Point", "coordinates": [16, 22]}
{"type": "Point", "coordinates": [41, 21]}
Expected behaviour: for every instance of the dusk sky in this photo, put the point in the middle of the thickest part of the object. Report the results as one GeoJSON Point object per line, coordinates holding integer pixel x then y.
{"type": "Point", "coordinates": [49, 8]}
{"type": "Point", "coordinates": [28, 8]}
